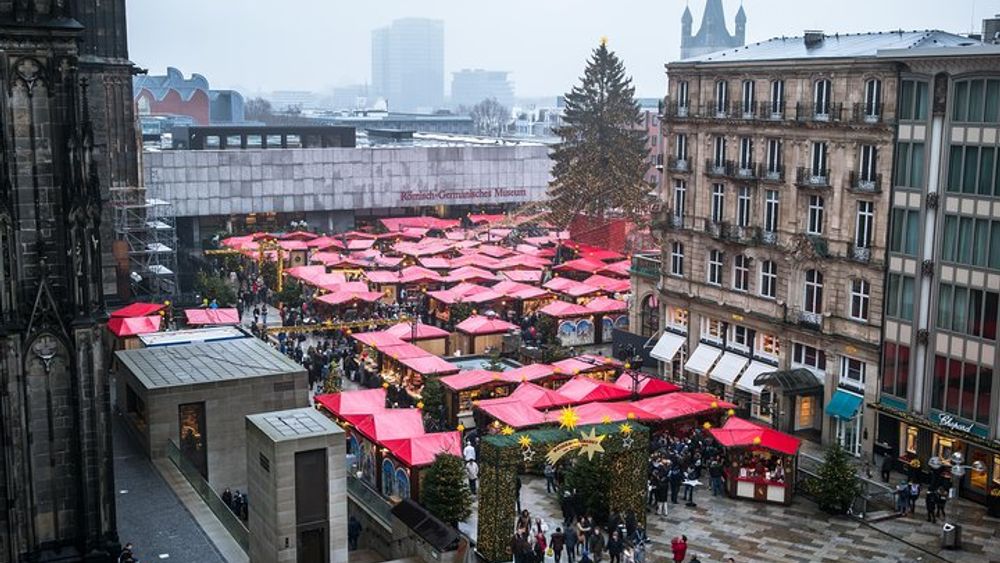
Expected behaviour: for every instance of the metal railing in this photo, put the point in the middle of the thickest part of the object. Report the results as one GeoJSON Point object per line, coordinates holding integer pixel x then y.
{"type": "Point", "coordinates": [830, 112]}
{"type": "Point", "coordinates": [861, 253]}
{"type": "Point", "coordinates": [716, 229]}
{"type": "Point", "coordinates": [859, 183]}
{"type": "Point", "coordinates": [678, 164]}
{"type": "Point", "coordinates": [368, 498]}
{"type": "Point", "coordinates": [725, 168]}
{"type": "Point", "coordinates": [771, 111]}
{"type": "Point", "coordinates": [864, 112]}
{"type": "Point", "coordinates": [769, 237]}
{"type": "Point", "coordinates": [769, 173]}
{"type": "Point", "coordinates": [808, 178]}
{"type": "Point", "coordinates": [236, 528]}
{"type": "Point", "coordinates": [811, 320]}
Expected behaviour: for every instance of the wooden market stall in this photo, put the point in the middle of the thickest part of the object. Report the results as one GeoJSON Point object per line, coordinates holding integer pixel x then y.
{"type": "Point", "coordinates": [370, 431]}
{"type": "Point", "coordinates": [212, 317]}
{"type": "Point", "coordinates": [483, 332]}
{"type": "Point", "coordinates": [574, 323]}
{"type": "Point", "coordinates": [604, 368]}
{"type": "Point", "coordinates": [760, 462]}
{"type": "Point", "coordinates": [681, 412]}
{"type": "Point", "coordinates": [441, 302]}
{"type": "Point", "coordinates": [404, 459]}
{"type": "Point", "coordinates": [349, 407]}
{"type": "Point", "coordinates": [133, 320]}
{"type": "Point", "coordinates": [428, 337]}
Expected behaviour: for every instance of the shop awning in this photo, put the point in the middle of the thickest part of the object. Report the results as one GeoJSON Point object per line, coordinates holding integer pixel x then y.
{"type": "Point", "coordinates": [479, 325]}
{"type": "Point", "coordinates": [844, 405]}
{"type": "Point", "coordinates": [134, 326]}
{"type": "Point", "coordinates": [746, 381]}
{"type": "Point", "coordinates": [137, 310]}
{"type": "Point", "coordinates": [429, 365]}
{"type": "Point", "coordinates": [530, 372]}
{"type": "Point", "coordinates": [391, 424]}
{"type": "Point", "coordinates": [404, 331]}
{"type": "Point", "coordinates": [538, 397]}
{"type": "Point", "coordinates": [682, 404]}
{"type": "Point", "coordinates": [702, 359]}
{"type": "Point", "coordinates": [667, 346]}
{"type": "Point", "coordinates": [470, 379]}
{"type": "Point", "coordinates": [353, 403]}
{"type": "Point", "coordinates": [513, 413]}
{"type": "Point", "coordinates": [728, 368]}
{"type": "Point", "coordinates": [798, 381]}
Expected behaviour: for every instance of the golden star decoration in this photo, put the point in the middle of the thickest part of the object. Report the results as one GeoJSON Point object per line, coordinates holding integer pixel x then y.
{"type": "Point", "coordinates": [524, 441]}
{"type": "Point", "coordinates": [604, 40]}
{"type": "Point", "coordinates": [606, 419]}
{"type": "Point", "coordinates": [568, 418]}
{"type": "Point", "coordinates": [591, 443]}
{"type": "Point", "coordinates": [507, 431]}
{"type": "Point", "coordinates": [625, 428]}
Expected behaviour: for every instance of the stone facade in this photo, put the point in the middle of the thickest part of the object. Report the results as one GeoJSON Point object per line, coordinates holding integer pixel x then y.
{"type": "Point", "coordinates": [730, 159]}
{"type": "Point", "coordinates": [273, 440]}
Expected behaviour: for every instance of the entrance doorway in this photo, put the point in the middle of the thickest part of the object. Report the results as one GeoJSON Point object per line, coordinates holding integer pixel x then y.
{"type": "Point", "coordinates": [194, 435]}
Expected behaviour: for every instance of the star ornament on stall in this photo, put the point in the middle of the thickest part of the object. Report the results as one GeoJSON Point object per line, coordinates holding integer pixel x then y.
{"type": "Point", "coordinates": [507, 431]}
{"type": "Point", "coordinates": [568, 418]}
{"type": "Point", "coordinates": [524, 441]}
{"type": "Point", "coordinates": [605, 419]}
{"type": "Point", "coordinates": [527, 454]}
{"type": "Point", "coordinates": [590, 444]}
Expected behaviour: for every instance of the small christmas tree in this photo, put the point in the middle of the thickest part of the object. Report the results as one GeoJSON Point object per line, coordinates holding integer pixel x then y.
{"type": "Point", "coordinates": [495, 363]}
{"type": "Point", "coordinates": [837, 484]}
{"type": "Point", "coordinates": [444, 490]}
{"type": "Point", "coordinates": [432, 396]}
{"type": "Point", "coordinates": [334, 380]}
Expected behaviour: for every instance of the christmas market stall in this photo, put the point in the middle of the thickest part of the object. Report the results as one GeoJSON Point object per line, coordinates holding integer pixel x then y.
{"type": "Point", "coordinates": [442, 303]}
{"type": "Point", "coordinates": [680, 413]}
{"type": "Point", "coordinates": [610, 314]}
{"type": "Point", "coordinates": [604, 368]}
{"type": "Point", "coordinates": [512, 413]}
{"type": "Point", "coordinates": [466, 387]}
{"type": "Point", "coordinates": [131, 321]}
{"type": "Point", "coordinates": [482, 332]}
{"type": "Point", "coordinates": [428, 337]}
{"type": "Point", "coordinates": [212, 317]}
{"type": "Point", "coordinates": [573, 291]}
{"type": "Point", "coordinates": [760, 462]}
{"type": "Point", "coordinates": [349, 407]}
{"type": "Point", "coordinates": [644, 385]}
{"type": "Point", "coordinates": [372, 430]}
{"type": "Point", "coordinates": [574, 323]}
{"type": "Point", "coordinates": [584, 389]}
{"type": "Point", "coordinates": [404, 459]}
{"type": "Point", "coordinates": [520, 299]}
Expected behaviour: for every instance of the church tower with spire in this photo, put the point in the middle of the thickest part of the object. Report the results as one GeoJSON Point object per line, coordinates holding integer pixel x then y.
{"type": "Point", "coordinates": [66, 133]}
{"type": "Point", "coordinates": [713, 35]}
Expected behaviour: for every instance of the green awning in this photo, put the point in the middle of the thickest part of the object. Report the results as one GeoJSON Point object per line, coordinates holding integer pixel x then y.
{"type": "Point", "coordinates": [844, 405]}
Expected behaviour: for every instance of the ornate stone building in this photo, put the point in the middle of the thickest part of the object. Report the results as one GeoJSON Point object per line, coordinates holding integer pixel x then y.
{"type": "Point", "coordinates": [66, 134]}
{"type": "Point", "coordinates": [713, 35]}
{"type": "Point", "coordinates": [778, 158]}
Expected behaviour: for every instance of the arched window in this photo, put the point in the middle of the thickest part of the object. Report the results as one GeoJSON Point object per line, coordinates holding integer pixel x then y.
{"type": "Point", "coordinates": [873, 99]}
{"type": "Point", "coordinates": [813, 292]}
{"type": "Point", "coordinates": [821, 99]}
{"type": "Point", "coordinates": [649, 313]}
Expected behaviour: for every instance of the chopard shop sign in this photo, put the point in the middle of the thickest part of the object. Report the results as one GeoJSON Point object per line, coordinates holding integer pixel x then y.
{"type": "Point", "coordinates": [952, 422]}
{"type": "Point", "coordinates": [445, 195]}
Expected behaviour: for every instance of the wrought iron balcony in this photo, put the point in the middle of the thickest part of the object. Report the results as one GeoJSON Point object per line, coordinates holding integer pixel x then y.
{"type": "Point", "coordinates": [819, 112]}
{"type": "Point", "coordinates": [860, 183]}
{"type": "Point", "coordinates": [716, 168]}
{"type": "Point", "coordinates": [810, 178]}
{"type": "Point", "coordinates": [745, 171]}
{"type": "Point", "coordinates": [675, 164]}
{"type": "Point", "coordinates": [769, 238]}
{"type": "Point", "coordinates": [861, 253]}
{"type": "Point", "coordinates": [747, 111]}
{"type": "Point", "coordinates": [865, 112]}
{"type": "Point", "coordinates": [811, 320]}
{"type": "Point", "coordinates": [771, 111]}
{"type": "Point", "coordinates": [770, 173]}
{"type": "Point", "coordinates": [748, 235]}
{"type": "Point", "coordinates": [718, 110]}
{"type": "Point", "coordinates": [676, 221]}
{"type": "Point", "coordinates": [715, 229]}
{"type": "Point", "coordinates": [676, 110]}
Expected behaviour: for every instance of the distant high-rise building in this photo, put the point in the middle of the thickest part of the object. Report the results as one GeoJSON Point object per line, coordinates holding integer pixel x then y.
{"type": "Point", "coordinates": [469, 87]}
{"type": "Point", "coordinates": [408, 64]}
{"type": "Point", "coordinates": [713, 35]}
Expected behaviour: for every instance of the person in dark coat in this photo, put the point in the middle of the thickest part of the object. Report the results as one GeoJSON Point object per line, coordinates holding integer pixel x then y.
{"type": "Point", "coordinates": [662, 493]}
{"type": "Point", "coordinates": [557, 541]}
{"type": "Point", "coordinates": [931, 500]}
{"type": "Point", "coordinates": [615, 547]}
{"type": "Point", "coordinates": [571, 543]}
{"type": "Point", "coordinates": [353, 533]}
{"type": "Point", "coordinates": [676, 478]}
{"type": "Point", "coordinates": [886, 468]}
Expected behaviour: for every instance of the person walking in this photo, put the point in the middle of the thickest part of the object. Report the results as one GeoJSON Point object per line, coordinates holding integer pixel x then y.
{"type": "Point", "coordinates": [550, 478]}
{"type": "Point", "coordinates": [615, 547]}
{"type": "Point", "coordinates": [571, 540]}
{"type": "Point", "coordinates": [902, 497]}
{"type": "Point", "coordinates": [931, 500]}
{"type": "Point", "coordinates": [472, 472]}
{"type": "Point", "coordinates": [538, 549]}
{"type": "Point", "coordinates": [886, 468]}
{"type": "Point", "coordinates": [353, 533]}
{"type": "Point", "coordinates": [227, 498]}
{"type": "Point", "coordinates": [913, 496]}
{"type": "Point", "coordinates": [596, 544]}
{"type": "Point", "coordinates": [676, 478]}
{"type": "Point", "coordinates": [679, 547]}
{"type": "Point", "coordinates": [662, 494]}
{"type": "Point", "coordinates": [942, 498]}
{"type": "Point", "coordinates": [557, 542]}
{"type": "Point", "coordinates": [715, 476]}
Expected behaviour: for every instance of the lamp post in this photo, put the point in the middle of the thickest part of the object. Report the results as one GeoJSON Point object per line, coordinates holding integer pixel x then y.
{"type": "Point", "coordinates": [958, 470]}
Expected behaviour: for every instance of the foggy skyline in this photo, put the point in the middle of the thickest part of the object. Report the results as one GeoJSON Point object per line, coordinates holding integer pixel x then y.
{"type": "Point", "coordinates": [318, 44]}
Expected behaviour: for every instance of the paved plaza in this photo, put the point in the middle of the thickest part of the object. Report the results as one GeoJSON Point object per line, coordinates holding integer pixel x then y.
{"type": "Point", "coordinates": [750, 532]}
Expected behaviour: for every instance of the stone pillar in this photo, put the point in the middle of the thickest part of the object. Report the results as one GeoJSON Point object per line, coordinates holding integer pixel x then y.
{"type": "Point", "coordinates": [297, 487]}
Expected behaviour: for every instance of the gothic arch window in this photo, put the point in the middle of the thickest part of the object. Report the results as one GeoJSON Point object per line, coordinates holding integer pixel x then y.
{"type": "Point", "coordinates": [649, 315]}
{"type": "Point", "coordinates": [143, 104]}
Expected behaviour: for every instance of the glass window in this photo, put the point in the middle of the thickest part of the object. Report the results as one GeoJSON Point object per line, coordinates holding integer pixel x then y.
{"type": "Point", "coordinates": [992, 101]}
{"type": "Point", "coordinates": [976, 101]}
{"type": "Point", "coordinates": [987, 165]}
{"type": "Point", "coordinates": [960, 109]}
{"type": "Point", "coordinates": [965, 226]}
{"type": "Point", "coordinates": [768, 279]}
{"type": "Point", "coordinates": [904, 234]}
{"type": "Point", "coordinates": [677, 259]}
{"type": "Point", "coordinates": [907, 288]}
{"type": "Point", "coordinates": [680, 198]}
{"type": "Point", "coordinates": [994, 260]}
{"type": "Point", "coordinates": [913, 100]}
{"type": "Point", "coordinates": [771, 202]}
{"type": "Point", "coordinates": [715, 267]}
{"type": "Point", "coordinates": [852, 372]}
{"type": "Point", "coordinates": [912, 435]}
{"type": "Point", "coordinates": [865, 224]}
{"type": "Point", "coordinates": [948, 238]}
{"type": "Point", "coordinates": [809, 357]}
{"type": "Point", "coordinates": [822, 98]}
{"type": "Point", "coordinates": [815, 224]}
{"type": "Point", "coordinates": [741, 273]}
{"type": "Point", "coordinates": [981, 242]}
{"type": "Point", "coordinates": [813, 294]}
{"type": "Point", "coordinates": [720, 152]}
{"type": "Point", "coordinates": [743, 207]}
{"type": "Point", "coordinates": [895, 368]}
{"type": "Point", "coordinates": [770, 345]}
{"type": "Point", "coordinates": [746, 153]}
{"type": "Point", "coordinates": [650, 315]}
{"type": "Point", "coordinates": [718, 202]}
{"type": "Point", "coordinates": [721, 97]}
{"type": "Point", "coordinates": [860, 294]}
{"type": "Point", "coordinates": [955, 161]}
{"type": "Point", "coordinates": [910, 165]}
{"type": "Point", "coordinates": [944, 306]}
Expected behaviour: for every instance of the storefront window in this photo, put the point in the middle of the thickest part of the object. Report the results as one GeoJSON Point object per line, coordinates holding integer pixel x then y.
{"type": "Point", "coordinates": [943, 447]}
{"type": "Point", "coordinates": [678, 318]}
{"type": "Point", "coordinates": [650, 315]}
{"type": "Point", "coordinates": [770, 345]}
{"type": "Point", "coordinates": [996, 470]}
{"type": "Point", "coordinates": [977, 479]}
{"type": "Point", "coordinates": [911, 439]}
{"type": "Point", "coordinates": [711, 330]}
{"type": "Point", "coordinates": [807, 408]}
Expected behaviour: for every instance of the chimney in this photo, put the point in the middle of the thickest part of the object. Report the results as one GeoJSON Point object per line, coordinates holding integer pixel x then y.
{"type": "Point", "coordinates": [813, 38]}
{"type": "Point", "coordinates": [991, 30]}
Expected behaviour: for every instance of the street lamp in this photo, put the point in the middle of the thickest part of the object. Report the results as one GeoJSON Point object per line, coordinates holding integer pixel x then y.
{"type": "Point", "coordinates": [957, 472]}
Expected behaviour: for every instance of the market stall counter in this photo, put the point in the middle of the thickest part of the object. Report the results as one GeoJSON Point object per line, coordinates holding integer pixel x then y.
{"type": "Point", "coordinates": [760, 461]}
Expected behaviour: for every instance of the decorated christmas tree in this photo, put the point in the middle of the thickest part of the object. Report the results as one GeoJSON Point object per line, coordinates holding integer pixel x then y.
{"type": "Point", "coordinates": [444, 490]}
{"type": "Point", "coordinates": [837, 484]}
{"type": "Point", "coordinates": [601, 159]}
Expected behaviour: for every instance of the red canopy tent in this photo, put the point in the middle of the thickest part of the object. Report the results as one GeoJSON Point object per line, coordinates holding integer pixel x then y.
{"type": "Point", "coordinates": [133, 326]}
{"type": "Point", "coordinates": [607, 305]}
{"type": "Point", "coordinates": [212, 316]}
{"type": "Point", "coordinates": [349, 405]}
{"type": "Point", "coordinates": [479, 325]}
{"type": "Point", "coordinates": [513, 413]}
{"type": "Point", "coordinates": [530, 372]}
{"type": "Point", "coordinates": [391, 424]}
{"type": "Point", "coordinates": [403, 351]}
{"type": "Point", "coordinates": [682, 404]}
{"type": "Point", "coordinates": [600, 254]}
{"type": "Point", "coordinates": [585, 265]}
{"type": "Point", "coordinates": [586, 363]}
{"type": "Point", "coordinates": [400, 223]}
{"type": "Point", "coordinates": [137, 310]}
{"type": "Point", "coordinates": [477, 260]}
{"type": "Point", "coordinates": [648, 386]}
{"type": "Point", "coordinates": [583, 389]}
{"type": "Point", "coordinates": [470, 379]}
{"type": "Point", "coordinates": [404, 331]}
{"type": "Point", "coordinates": [377, 339]}
{"type": "Point", "coordinates": [344, 297]}
{"type": "Point", "coordinates": [739, 433]}
{"type": "Point", "coordinates": [562, 310]}
{"type": "Point", "coordinates": [470, 274]}
{"type": "Point", "coordinates": [610, 285]}
{"type": "Point", "coordinates": [478, 218]}
{"type": "Point", "coordinates": [520, 291]}
{"type": "Point", "coordinates": [298, 235]}
{"type": "Point", "coordinates": [421, 450]}
{"type": "Point", "coordinates": [436, 263]}
{"type": "Point", "coordinates": [538, 397]}
{"type": "Point", "coordinates": [596, 413]}
{"type": "Point", "coordinates": [430, 365]}
{"type": "Point", "coordinates": [523, 276]}
{"type": "Point", "coordinates": [494, 251]}
{"type": "Point", "coordinates": [619, 269]}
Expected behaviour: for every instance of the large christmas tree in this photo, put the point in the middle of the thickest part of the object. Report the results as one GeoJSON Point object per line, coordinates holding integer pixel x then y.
{"type": "Point", "coordinates": [600, 162]}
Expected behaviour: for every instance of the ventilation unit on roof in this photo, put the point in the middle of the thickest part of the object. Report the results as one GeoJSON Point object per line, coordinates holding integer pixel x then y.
{"type": "Point", "coordinates": [813, 38]}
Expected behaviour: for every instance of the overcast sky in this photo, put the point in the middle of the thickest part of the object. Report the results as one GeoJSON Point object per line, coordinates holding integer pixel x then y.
{"type": "Point", "coordinates": [264, 45]}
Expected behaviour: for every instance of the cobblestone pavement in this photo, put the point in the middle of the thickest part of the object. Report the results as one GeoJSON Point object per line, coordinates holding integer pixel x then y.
{"type": "Point", "coordinates": [720, 527]}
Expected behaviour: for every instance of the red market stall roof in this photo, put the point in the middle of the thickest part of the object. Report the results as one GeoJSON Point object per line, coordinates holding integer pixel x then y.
{"type": "Point", "coordinates": [212, 316]}
{"type": "Point", "coordinates": [403, 351]}
{"type": "Point", "coordinates": [530, 372]}
{"type": "Point", "coordinates": [470, 273]}
{"type": "Point", "coordinates": [465, 292]}
{"type": "Point", "coordinates": [477, 218]}
{"type": "Point", "coordinates": [336, 260]}
{"type": "Point", "coordinates": [391, 424]}
{"type": "Point", "coordinates": [419, 451]}
{"type": "Point", "coordinates": [494, 234]}
{"type": "Point", "coordinates": [570, 287]}
{"type": "Point", "coordinates": [298, 235]}
{"type": "Point", "coordinates": [293, 245]}
{"type": "Point", "coordinates": [399, 223]}
{"type": "Point", "coordinates": [513, 413]}
{"type": "Point", "coordinates": [583, 389]}
{"type": "Point", "coordinates": [517, 290]}
{"type": "Point", "coordinates": [538, 397]}
{"type": "Point", "coordinates": [523, 276]}
{"type": "Point", "coordinates": [479, 325]}
{"type": "Point", "coordinates": [343, 297]}
{"type": "Point", "coordinates": [682, 404]}
{"type": "Point", "coordinates": [470, 379]}
{"type": "Point", "coordinates": [600, 254]}
{"type": "Point", "coordinates": [477, 260]}
{"type": "Point", "coordinates": [562, 309]}
{"type": "Point", "coordinates": [607, 305]}
{"type": "Point", "coordinates": [137, 310]}
{"type": "Point", "coordinates": [133, 326]}
{"type": "Point", "coordinates": [585, 265]}
{"type": "Point", "coordinates": [436, 263]}
{"type": "Point", "coordinates": [739, 433]}
{"type": "Point", "coordinates": [585, 363]}
{"type": "Point", "coordinates": [404, 331]}
{"type": "Point", "coordinates": [425, 247]}
{"type": "Point", "coordinates": [333, 281]}
{"type": "Point", "coordinates": [619, 269]}
{"type": "Point", "coordinates": [387, 261]}
{"type": "Point", "coordinates": [596, 413]}
{"type": "Point", "coordinates": [306, 273]}
{"type": "Point", "coordinates": [416, 274]}
{"type": "Point", "coordinates": [236, 242]}
{"type": "Point", "coordinates": [377, 339]}
{"type": "Point", "coordinates": [522, 261]}
{"type": "Point", "coordinates": [383, 277]}
{"type": "Point", "coordinates": [430, 365]}
{"type": "Point", "coordinates": [494, 251]}
{"type": "Point", "coordinates": [648, 386]}
{"type": "Point", "coordinates": [320, 243]}
{"type": "Point", "coordinates": [353, 403]}
{"type": "Point", "coordinates": [610, 285]}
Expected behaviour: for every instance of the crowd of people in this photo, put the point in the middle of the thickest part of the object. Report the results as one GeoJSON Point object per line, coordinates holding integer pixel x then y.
{"type": "Point", "coordinates": [237, 502]}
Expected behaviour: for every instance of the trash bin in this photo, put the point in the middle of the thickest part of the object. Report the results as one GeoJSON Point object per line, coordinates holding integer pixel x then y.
{"type": "Point", "coordinates": [951, 536]}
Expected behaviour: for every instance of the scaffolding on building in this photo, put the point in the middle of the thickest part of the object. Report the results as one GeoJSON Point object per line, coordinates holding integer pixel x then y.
{"type": "Point", "coordinates": [145, 231]}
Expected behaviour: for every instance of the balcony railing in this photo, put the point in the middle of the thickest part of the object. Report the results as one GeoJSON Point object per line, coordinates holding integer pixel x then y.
{"type": "Point", "coordinates": [861, 253]}
{"type": "Point", "coordinates": [718, 110]}
{"type": "Point", "coordinates": [865, 112]}
{"type": "Point", "coordinates": [810, 178]}
{"type": "Point", "coordinates": [678, 164]}
{"type": "Point", "coordinates": [679, 111]}
{"type": "Point", "coordinates": [716, 168]}
{"type": "Point", "coordinates": [770, 173]}
{"type": "Point", "coordinates": [745, 171]}
{"type": "Point", "coordinates": [749, 235]}
{"type": "Point", "coordinates": [819, 112]}
{"type": "Point", "coordinates": [676, 221]}
{"type": "Point", "coordinates": [811, 320]}
{"type": "Point", "coordinates": [860, 183]}
{"type": "Point", "coordinates": [715, 229]}
{"type": "Point", "coordinates": [647, 266]}
{"type": "Point", "coordinates": [770, 111]}
{"type": "Point", "coordinates": [769, 237]}
{"type": "Point", "coordinates": [747, 111]}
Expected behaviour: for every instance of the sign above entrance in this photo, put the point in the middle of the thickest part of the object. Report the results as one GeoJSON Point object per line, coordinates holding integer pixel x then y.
{"type": "Point", "coordinates": [957, 424]}
{"type": "Point", "coordinates": [434, 196]}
